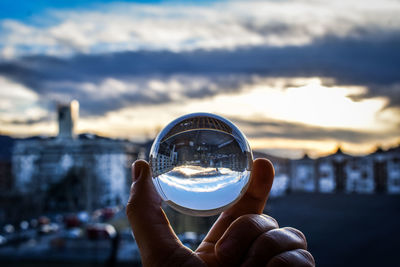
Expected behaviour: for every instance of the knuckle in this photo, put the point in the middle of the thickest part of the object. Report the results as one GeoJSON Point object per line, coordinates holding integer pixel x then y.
{"type": "Point", "coordinates": [272, 220]}
{"type": "Point", "coordinates": [280, 240]}
{"type": "Point", "coordinates": [270, 239]}
{"type": "Point", "coordinates": [280, 260]}
{"type": "Point", "coordinates": [297, 233]}
{"type": "Point", "coordinates": [307, 256]}
{"type": "Point", "coordinates": [267, 242]}
{"type": "Point", "coordinates": [256, 222]}
{"type": "Point", "coordinates": [298, 257]}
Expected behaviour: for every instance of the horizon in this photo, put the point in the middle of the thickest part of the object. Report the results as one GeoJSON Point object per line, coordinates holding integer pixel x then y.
{"type": "Point", "coordinates": [266, 152]}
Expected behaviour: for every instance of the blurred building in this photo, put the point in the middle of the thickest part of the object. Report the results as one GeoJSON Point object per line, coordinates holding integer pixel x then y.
{"type": "Point", "coordinates": [393, 170]}
{"type": "Point", "coordinates": [379, 163]}
{"type": "Point", "coordinates": [303, 174]}
{"type": "Point", "coordinates": [360, 175]}
{"type": "Point", "coordinates": [73, 172]}
{"type": "Point", "coordinates": [378, 172]}
{"type": "Point", "coordinates": [326, 176]}
{"type": "Point", "coordinates": [331, 172]}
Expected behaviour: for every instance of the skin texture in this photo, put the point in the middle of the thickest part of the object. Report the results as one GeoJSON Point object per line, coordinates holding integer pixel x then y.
{"type": "Point", "coordinates": [242, 235]}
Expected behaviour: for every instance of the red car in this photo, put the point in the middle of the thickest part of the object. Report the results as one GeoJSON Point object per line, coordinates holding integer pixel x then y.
{"type": "Point", "coordinates": [100, 231]}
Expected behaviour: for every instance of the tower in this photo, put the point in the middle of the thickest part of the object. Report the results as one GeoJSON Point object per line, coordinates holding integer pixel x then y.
{"type": "Point", "coordinates": [67, 119]}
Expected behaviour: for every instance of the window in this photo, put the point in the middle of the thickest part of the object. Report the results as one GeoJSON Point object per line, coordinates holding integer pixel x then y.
{"type": "Point", "coordinates": [364, 175]}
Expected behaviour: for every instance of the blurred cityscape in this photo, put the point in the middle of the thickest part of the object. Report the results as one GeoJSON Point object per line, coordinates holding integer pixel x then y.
{"type": "Point", "coordinates": [62, 198]}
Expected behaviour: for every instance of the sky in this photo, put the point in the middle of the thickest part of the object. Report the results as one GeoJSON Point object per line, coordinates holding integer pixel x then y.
{"type": "Point", "coordinates": [295, 76]}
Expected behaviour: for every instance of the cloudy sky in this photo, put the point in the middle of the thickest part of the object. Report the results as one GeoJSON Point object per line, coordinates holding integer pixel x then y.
{"type": "Point", "coordinates": [295, 75]}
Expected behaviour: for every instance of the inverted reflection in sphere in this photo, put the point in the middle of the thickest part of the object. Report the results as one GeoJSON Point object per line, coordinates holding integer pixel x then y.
{"type": "Point", "coordinates": [201, 164]}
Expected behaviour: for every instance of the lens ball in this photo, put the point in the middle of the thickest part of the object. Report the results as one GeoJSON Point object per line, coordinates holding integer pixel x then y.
{"type": "Point", "coordinates": [201, 164]}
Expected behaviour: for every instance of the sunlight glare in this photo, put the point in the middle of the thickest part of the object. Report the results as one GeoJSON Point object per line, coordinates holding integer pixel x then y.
{"type": "Point", "coordinates": [312, 103]}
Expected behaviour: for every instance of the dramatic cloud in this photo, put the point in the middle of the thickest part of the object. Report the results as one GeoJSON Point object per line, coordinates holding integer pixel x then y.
{"type": "Point", "coordinates": [290, 130]}
{"type": "Point", "coordinates": [111, 81]}
{"type": "Point", "coordinates": [177, 27]}
{"type": "Point", "coordinates": [28, 121]}
{"type": "Point", "coordinates": [203, 50]}
{"type": "Point", "coordinates": [19, 104]}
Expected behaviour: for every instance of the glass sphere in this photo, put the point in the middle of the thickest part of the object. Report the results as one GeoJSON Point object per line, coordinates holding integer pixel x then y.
{"type": "Point", "coordinates": [201, 164]}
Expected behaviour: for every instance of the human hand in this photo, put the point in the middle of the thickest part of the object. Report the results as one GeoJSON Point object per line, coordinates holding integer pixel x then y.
{"type": "Point", "coordinates": [241, 236]}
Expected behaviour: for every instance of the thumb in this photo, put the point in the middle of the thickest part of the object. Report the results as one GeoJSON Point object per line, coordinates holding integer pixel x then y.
{"type": "Point", "coordinates": [153, 233]}
{"type": "Point", "coordinates": [143, 195]}
{"type": "Point", "coordinates": [252, 202]}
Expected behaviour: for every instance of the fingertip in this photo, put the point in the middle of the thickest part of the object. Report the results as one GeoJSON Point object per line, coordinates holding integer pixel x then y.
{"type": "Point", "coordinates": [262, 175]}
{"type": "Point", "coordinates": [139, 167]}
{"type": "Point", "coordinates": [143, 196]}
{"type": "Point", "coordinates": [264, 165]}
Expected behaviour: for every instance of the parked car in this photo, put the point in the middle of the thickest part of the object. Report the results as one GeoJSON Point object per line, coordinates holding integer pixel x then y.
{"type": "Point", "coordinates": [48, 228]}
{"type": "Point", "coordinates": [42, 220]}
{"type": "Point", "coordinates": [98, 231]}
{"type": "Point", "coordinates": [71, 221]}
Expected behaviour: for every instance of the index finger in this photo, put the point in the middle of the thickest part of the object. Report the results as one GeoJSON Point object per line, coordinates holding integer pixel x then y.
{"type": "Point", "coordinates": [252, 202]}
{"type": "Point", "coordinates": [153, 233]}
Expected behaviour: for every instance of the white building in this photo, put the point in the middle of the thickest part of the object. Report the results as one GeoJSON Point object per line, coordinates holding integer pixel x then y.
{"type": "Point", "coordinates": [393, 171]}
{"type": "Point", "coordinates": [331, 173]}
{"type": "Point", "coordinates": [280, 185]}
{"type": "Point", "coordinates": [326, 177]}
{"type": "Point", "coordinates": [71, 172]}
{"type": "Point", "coordinates": [303, 175]}
{"type": "Point", "coordinates": [338, 172]}
{"type": "Point", "coordinates": [360, 175]}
